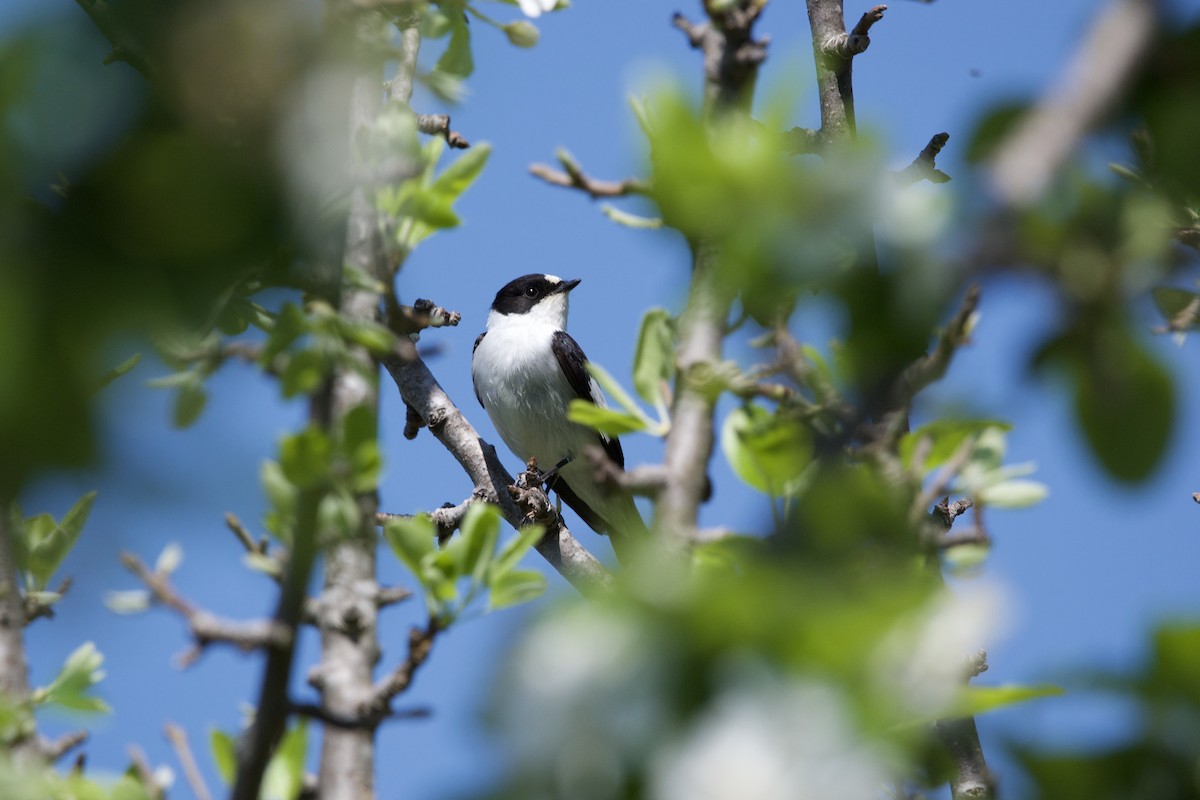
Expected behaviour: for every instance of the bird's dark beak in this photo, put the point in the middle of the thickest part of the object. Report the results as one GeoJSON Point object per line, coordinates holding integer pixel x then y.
{"type": "Point", "coordinates": [567, 286]}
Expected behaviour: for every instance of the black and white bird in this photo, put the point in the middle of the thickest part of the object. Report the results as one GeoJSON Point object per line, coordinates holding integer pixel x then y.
{"type": "Point", "coordinates": [527, 369]}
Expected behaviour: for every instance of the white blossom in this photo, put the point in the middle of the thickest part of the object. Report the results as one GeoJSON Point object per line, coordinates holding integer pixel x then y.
{"type": "Point", "coordinates": [535, 8]}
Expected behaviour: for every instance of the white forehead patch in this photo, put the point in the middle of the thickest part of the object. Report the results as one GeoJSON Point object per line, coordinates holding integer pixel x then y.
{"type": "Point", "coordinates": [552, 278]}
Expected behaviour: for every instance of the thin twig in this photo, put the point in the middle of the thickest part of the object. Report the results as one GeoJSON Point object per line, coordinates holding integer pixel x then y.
{"type": "Point", "coordinates": [243, 535]}
{"type": "Point", "coordinates": [646, 480]}
{"type": "Point", "coordinates": [420, 644]}
{"type": "Point", "coordinates": [573, 177]}
{"type": "Point", "coordinates": [204, 627]}
{"type": "Point", "coordinates": [177, 736]}
{"type": "Point", "coordinates": [923, 167]}
{"type": "Point", "coordinates": [54, 749]}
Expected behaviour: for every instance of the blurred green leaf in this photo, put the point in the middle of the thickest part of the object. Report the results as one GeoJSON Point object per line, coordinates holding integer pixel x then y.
{"type": "Point", "coordinates": [78, 675]}
{"type": "Point", "coordinates": [224, 753]}
{"type": "Point", "coordinates": [284, 777]}
{"type": "Point", "coordinates": [514, 587]}
{"type": "Point", "coordinates": [462, 172]}
{"type": "Point", "coordinates": [769, 451]}
{"type": "Point", "coordinates": [977, 700]}
{"type": "Point", "coordinates": [1171, 303]}
{"type": "Point", "coordinates": [1125, 402]}
{"type": "Point", "coordinates": [1013, 494]}
{"type": "Point", "coordinates": [411, 539]}
{"type": "Point", "coordinates": [480, 531]}
{"type": "Point", "coordinates": [305, 371]}
{"type": "Point", "coordinates": [945, 437]}
{"type": "Point", "coordinates": [290, 324]}
{"type": "Point", "coordinates": [654, 358]}
{"type": "Point", "coordinates": [622, 217]}
{"type": "Point", "coordinates": [189, 403]}
{"type": "Point", "coordinates": [305, 458]}
{"type": "Point", "coordinates": [48, 543]}
{"type": "Point", "coordinates": [514, 549]}
{"type": "Point", "coordinates": [124, 368]}
{"type": "Point", "coordinates": [456, 60]}
{"type": "Point", "coordinates": [605, 420]}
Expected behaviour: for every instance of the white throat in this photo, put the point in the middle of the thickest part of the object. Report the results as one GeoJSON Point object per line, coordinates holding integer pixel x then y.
{"type": "Point", "coordinates": [550, 312]}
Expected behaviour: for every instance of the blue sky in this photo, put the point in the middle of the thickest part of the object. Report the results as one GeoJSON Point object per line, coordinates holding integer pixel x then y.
{"type": "Point", "coordinates": [1088, 570]}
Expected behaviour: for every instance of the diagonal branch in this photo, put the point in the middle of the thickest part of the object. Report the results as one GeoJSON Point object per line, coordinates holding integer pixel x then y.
{"type": "Point", "coordinates": [206, 628]}
{"type": "Point", "coordinates": [1097, 75]}
{"type": "Point", "coordinates": [573, 177]}
{"type": "Point", "coordinates": [421, 391]}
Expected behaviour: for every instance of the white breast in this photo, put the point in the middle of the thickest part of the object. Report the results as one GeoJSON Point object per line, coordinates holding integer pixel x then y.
{"type": "Point", "coordinates": [526, 393]}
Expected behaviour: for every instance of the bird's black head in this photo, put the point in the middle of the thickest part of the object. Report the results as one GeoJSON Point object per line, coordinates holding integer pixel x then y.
{"type": "Point", "coordinates": [521, 295]}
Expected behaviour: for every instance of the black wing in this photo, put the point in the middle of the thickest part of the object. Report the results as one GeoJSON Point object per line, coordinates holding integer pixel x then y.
{"type": "Point", "coordinates": [574, 365]}
{"type": "Point", "coordinates": [475, 347]}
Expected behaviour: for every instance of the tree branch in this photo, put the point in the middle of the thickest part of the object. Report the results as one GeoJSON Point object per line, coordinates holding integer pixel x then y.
{"type": "Point", "coordinates": [420, 390]}
{"type": "Point", "coordinates": [731, 59]}
{"type": "Point", "coordinates": [205, 628]}
{"type": "Point", "coordinates": [573, 177]}
{"type": "Point", "coordinates": [439, 125]}
{"type": "Point", "coordinates": [1096, 76]}
{"type": "Point", "coordinates": [922, 167]}
{"type": "Point", "coordinates": [183, 751]}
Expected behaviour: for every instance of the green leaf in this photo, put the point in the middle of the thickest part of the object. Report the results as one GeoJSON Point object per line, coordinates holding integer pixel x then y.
{"type": "Point", "coordinates": [976, 700]}
{"type": "Point", "coordinates": [189, 403]}
{"type": "Point", "coordinates": [768, 451]}
{"type": "Point", "coordinates": [367, 333]}
{"type": "Point", "coordinates": [49, 543]}
{"type": "Point", "coordinates": [290, 324]}
{"type": "Point", "coordinates": [514, 549]}
{"type": "Point", "coordinates": [279, 490]}
{"type": "Point", "coordinates": [121, 369]}
{"type": "Point", "coordinates": [456, 178]}
{"type": "Point", "coordinates": [635, 221]}
{"type": "Point", "coordinates": [613, 389]}
{"type": "Point", "coordinates": [457, 60]}
{"type": "Point", "coordinates": [515, 586]}
{"type": "Point", "coordinates": [224, 754]}
{"type": "Point", "coordinates": [605, 420]}
{"type": "Point", "coordinates": [1125, 402]}
{"type": "Point", "coordinates": [79, 673]}
{"type": "Point", "coordinates": [411, 539]}
{"type": "Point", "coordinates": [362, 448]}
{"type": "Point", "coordinates": [480, 531]}
{"type": "Point", "coordinates": [1013, 494]}
{"type": "Point", "coordinates": [305, 458]}
{"type": "Point", "coordinates": [304, 372]}
{"type": "Point", "coordinates": [1171, 303]}
{"type": "Point", "coordinates": [945, 437]}
{"type": "Point", "coordinates": [425, 205]}
{"type": "Point", "coordinates": [284, 777]}
{"type": "Point", "coordinates": [654, 358]}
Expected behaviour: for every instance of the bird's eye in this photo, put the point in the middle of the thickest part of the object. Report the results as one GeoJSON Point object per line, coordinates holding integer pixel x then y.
{"type": "Point", "coordinates": [531, 291]}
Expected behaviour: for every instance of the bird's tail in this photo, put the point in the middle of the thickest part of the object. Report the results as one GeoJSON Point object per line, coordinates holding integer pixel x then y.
{"type": "Point", "coordinates": [626, 528]}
